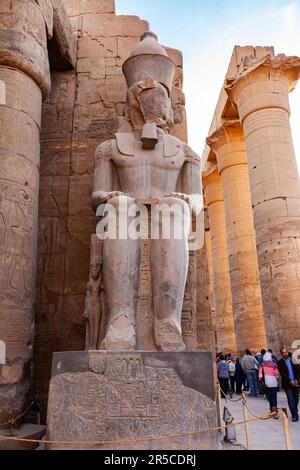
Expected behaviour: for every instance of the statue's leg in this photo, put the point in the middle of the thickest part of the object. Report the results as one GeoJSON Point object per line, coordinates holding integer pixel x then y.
{"type": "Point", "coordinates": [170, 258]}
{"type": "Point", "coordinates": [121, 263]}
{"type": "Point", "coordinates": [96, 323]}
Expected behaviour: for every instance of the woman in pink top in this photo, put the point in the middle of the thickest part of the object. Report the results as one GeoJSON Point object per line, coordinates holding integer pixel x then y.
{"type": "Point", "coordinates": [268, 372]}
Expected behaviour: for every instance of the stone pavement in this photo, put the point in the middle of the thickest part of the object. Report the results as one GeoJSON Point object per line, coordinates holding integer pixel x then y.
{"type": "Point", "coordinates": [264, 435]}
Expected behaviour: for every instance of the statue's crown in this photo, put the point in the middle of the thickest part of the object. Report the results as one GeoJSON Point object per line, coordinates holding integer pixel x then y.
{"type": "Point", "coordinates": [149, 60]}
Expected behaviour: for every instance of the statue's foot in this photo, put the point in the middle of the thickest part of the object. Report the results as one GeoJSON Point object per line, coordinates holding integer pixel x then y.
{"type": "Point", "coordinates": [119, 340]}
{"type": "Point", "coordinates": [168, 337]}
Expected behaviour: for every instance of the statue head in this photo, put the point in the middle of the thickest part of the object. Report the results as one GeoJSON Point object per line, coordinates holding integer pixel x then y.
{"type": "Point", "coordinates": [148, 102]}
{"type": "Point", "coordinates": [95, 270]}
{"type": "Point", "coordinates": [149, 73]}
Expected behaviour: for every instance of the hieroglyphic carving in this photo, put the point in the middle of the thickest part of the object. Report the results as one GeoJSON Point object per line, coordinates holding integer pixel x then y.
{"type": "Point", "coordinates": [144, 307]}
{"type": "Point", "coordinates": [122, 398]}
{"type": "Point", "coordinates": [18, 207]}
{"type": "Point", "coordinates": [189, 322]}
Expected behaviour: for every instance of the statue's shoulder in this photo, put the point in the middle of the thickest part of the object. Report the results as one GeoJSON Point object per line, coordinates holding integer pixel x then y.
{"type": "Point", "coordinates": [125, 142]}
{"type": "Point", "coordinates": [172, 145]}
{"type": "Point", "coordinates": [191, 156]}
{"type": "Point", "coordinates": [105, 150]}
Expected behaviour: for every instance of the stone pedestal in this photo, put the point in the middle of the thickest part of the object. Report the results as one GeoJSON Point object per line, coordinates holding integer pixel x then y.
{"type": "Point", "coordinates": [229, 146]}
{"type": "Point", "coordinates": [260, 91]}
{"type": "Point", "coordinates": [223, 300]}
{"type": "Point", "coordinates": [153, 400]}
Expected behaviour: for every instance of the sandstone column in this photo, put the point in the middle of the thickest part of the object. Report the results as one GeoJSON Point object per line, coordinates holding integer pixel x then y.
{"type": "Point", "coordinates": [223, 300]}
{"type": "Point", "coordinates": [229, 146]}
{"type": "Point", "coordinates": [24, 70]}
{"type": "Point", "coordinates": [260, 91]}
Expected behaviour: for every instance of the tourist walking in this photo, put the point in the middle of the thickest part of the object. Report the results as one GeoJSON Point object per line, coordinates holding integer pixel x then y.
{"type": "Point", "coordinates": [239, 376]}
{"type": "Point", "coordinates": [290, 375]}
{"type": "Point", "coordinates": [223, 376]}
{"type": "Point", "coordinates": [231, 363]}
{"type": "Point", "coordinates": [250, 367]}
{"type": "Point", "coordinates": [268, 375]}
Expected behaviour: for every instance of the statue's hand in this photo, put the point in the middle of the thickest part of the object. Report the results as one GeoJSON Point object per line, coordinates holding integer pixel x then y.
{"type": "Point", "coordinates": [184, 197]}
{"type": "Point", "coordinates": [113, 194]}
{"type": "Point", "coordinates": [102, 197]}
{"type": "Point", "coordinates": [195, 201]}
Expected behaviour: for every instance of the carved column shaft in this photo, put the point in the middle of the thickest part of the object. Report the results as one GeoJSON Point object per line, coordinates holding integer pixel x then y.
{"type": "Point", "coordinates": [206, 321]}
{"type": "Point", "coordinates": [261, 95]}
{"type": "Point", "coordinates": [229, 146]}
{"type": "Point", "coordinates": [223, 300]}
{"type": "Point", "coordinates": [24, 71]}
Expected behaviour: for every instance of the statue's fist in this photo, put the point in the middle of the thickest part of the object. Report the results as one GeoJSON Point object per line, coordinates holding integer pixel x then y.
{"type": "Point", "coordinates": [102, 197]}
{"type": "Point", "coordinates": [184, 197]}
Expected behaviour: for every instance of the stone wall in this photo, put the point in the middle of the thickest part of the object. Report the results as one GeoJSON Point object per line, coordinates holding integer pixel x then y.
{"type": "Point", "coordinates": [80, 113]}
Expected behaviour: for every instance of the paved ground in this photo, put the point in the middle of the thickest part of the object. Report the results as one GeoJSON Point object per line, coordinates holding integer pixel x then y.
{"type": "Point", "coordinates": [264, 435]}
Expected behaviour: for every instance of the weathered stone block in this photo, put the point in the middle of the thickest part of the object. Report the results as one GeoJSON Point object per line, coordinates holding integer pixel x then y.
{"type": "Point", "coordinates": [137, 396]}
{"type": "Point", "coordinates": [96, 6]}
{"type": "Point", "coordinates": [175, 55]}
{"type": "Point", "coordinates": [72, 7]}
{"type": "Point", "coordinates": [109, 25]}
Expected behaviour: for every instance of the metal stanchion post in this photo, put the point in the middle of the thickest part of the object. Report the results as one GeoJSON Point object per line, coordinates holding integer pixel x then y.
{"type": "Point", "coordinates": [286, 429]}
{"type": "Point", "coordinates": [246, 422]}
{"type": "Point", "coordinates": [220, 407]}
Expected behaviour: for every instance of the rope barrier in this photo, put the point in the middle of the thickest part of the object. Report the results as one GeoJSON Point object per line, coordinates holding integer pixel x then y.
{"type": "Point", "coordinates": [250, 411]}
{"type": "Point", "coordinates": [227, 398]}
{"type": "Point", "coordinates": [237, 401]}
{"type": "Point", "coordinates": [129, 441]}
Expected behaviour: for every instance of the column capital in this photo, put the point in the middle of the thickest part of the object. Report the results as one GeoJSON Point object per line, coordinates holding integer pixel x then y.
{"type": "Point", "coordinates": [212, 185]}
{"type": "Point", "coordinates": [263, 83]}
{"type": "Point", "coordinates": [24, 48]}
{"type": "Point", "coordinates": [230, 131]}
{"type": "Point", "coordinates": [228, 144]}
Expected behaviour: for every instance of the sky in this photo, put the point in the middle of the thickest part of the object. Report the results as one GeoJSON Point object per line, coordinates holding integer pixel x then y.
{"type": "Point", "coordinates": [206, 32]}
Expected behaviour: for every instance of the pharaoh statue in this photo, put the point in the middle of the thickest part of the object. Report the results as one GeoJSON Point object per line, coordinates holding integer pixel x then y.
{"type": "Point", "coordinates": [143, 164]}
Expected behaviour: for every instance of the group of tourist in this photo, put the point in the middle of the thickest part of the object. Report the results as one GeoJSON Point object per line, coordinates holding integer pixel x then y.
{"type": "Point", "coordinates": [259, 375]}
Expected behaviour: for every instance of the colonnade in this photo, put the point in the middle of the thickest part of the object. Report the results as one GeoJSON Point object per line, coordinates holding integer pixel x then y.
{"type": "Point", "coordinates": [253, 197]}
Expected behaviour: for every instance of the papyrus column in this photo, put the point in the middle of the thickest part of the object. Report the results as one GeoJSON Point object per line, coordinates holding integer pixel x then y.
{"type": "Point", "coordinates": [24, 73]}
{"type": "Point", "coordinates": [229, 146]}
{"type": "Point", "coordinates": [223, 300]}
{"type": "Point", "coordinates": [260, 92]}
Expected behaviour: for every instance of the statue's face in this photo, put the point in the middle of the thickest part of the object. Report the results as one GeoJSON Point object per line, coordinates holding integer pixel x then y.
{"type": "Point", "coordinates": [156, 106]}
{"type": "Point", "coordinates": [95, 270]}
{"type": "Point", "coordinates": [149, 102]}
